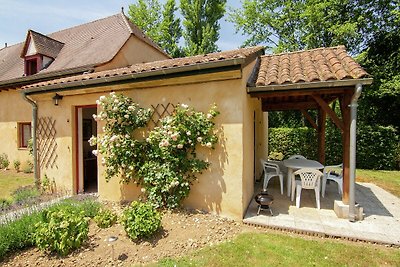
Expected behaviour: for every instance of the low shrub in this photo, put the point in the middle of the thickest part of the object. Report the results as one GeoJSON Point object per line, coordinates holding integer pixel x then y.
{"type": "Point", "coordinates": [18, 234]}
{"type": "Point", "coordinates": [17, 165]}
{"type": "Point", "coordinates": [61, 231]}
{"type": "Point", "coordinates": [141, 220]}
{"type": "Point", "coordinates": [105, 218]}
{"type": "Point", "coordinates": [89, 207]}
{"type": "Point", "coordinates": [27, 167]}
{"type": "Point", "coordinates": [25, 195]}
{"type": "Point", "coordinates": [377, 146]}
{"type": "Point", "coordinates": [4, 162]}
{"type": "Point", "coordinates": [4, 204]}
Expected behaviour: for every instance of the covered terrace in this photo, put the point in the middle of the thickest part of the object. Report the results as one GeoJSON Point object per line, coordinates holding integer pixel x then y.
{"type": "Point", "coordinates": [312, 80]}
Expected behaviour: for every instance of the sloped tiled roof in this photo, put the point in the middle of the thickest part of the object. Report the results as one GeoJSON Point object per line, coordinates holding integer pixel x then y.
{"type": "Point", "coordinates": [162, 65]}
{"type": "Point", "coordinates": [43, 44]}
{"type": "Point", "coordinates": [89, 44]}
{"type": "Point", "coordinates": [316, 65]}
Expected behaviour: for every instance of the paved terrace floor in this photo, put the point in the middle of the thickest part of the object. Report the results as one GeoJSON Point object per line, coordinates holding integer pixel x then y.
{"type": "Point", "coordinates": [381, 222]}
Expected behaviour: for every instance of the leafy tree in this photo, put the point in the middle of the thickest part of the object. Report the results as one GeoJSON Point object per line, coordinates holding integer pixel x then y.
{"type": "Point", "coordinates": [201, 24]}
{"type": "Point", "coordinates": [285, 25]}
{"type": "Point", "coordinates": [381, 103]}
{"type": "Point", "coordinates": [170, 30]}
{"type": "Point", "coordinates": [146, 15]}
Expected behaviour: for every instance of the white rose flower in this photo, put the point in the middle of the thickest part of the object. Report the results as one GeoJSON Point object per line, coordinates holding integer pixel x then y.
{"type": "Point", "coordinates": [126, 116]}
{"type": "Point", "coordinates": [199, 139]}
{"type": "Point", "coordinates": [180, 146]}
{"type": "Point", "coordinates": [95, 152]}
{"type": "Point", "coordinates": [209, 144]}
{"type": "Point", "coordinates": [97, 102]}
{"type": "Point", "coordinates": [188, 133]}
{"type": "Point", "coordinates": [209, 116]}
{"type": "Point", "coordinates": [102, 98]}
{"type": "Point", "coordinates": [143, 190]}
{"type": "Point", "coordinates": [184, 106]}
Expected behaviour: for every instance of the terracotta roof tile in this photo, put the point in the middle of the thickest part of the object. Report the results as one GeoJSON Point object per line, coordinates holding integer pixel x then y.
{"type": "Point", "coordinates": [167, 64]}
{"type": "Point", "coordinates": [316, 65]}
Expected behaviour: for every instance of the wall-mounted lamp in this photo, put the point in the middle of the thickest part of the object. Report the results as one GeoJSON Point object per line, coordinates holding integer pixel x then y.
{"type": "Point", "coordinates": [57, 99]}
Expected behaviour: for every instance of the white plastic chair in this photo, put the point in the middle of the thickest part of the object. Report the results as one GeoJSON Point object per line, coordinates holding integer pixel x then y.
{"type": "Point", "coordinates": [333, 173]}
{"type": "Point", "coordinates": [271, 170]}
{"type": "Point", "coordinates": [297, 157]}
{"type": "Point", "coordinates": [309, 179]}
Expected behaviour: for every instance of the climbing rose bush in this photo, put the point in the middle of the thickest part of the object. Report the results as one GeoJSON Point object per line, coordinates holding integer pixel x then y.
{"type": "Point", "coordinates": [119, 148]}
{"type": "Point", "coordinates": [164, 161]}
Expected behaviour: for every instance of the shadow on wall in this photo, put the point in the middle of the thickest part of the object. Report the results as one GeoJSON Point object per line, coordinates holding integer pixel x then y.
{"type": "Point", "coordinates": [206, 192]}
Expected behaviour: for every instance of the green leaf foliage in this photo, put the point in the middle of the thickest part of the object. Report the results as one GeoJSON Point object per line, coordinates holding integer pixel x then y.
{"type": "Point", "coordinates": [18, 235]}
{"type": "Point", "coordinates": [159, 23]}
{"type": "Point", "coordinates": [201, 25]}
{"type": "Point", "coordinates": [105, 218]}
{"type": "Point", "coordinates": [61, 231]}
{"type": "Point", "coordinates": [170, 30]}
{"type": "Point", "coordinates": [285, 25]}
{"type": "Point", "coordinates": [141, 220]}
{"type": "Point", "coordinates": [165, 163]}
{"type": "Point", "coordinates": [380, 102]}
{"type": "Point", "coordinates": [146, 15]}
{"type": "Point", "coordinates": [377, 146]}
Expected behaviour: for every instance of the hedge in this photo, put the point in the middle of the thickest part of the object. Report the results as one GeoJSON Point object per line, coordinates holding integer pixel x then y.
{"type": "Point", "coordinates": [377, 146]}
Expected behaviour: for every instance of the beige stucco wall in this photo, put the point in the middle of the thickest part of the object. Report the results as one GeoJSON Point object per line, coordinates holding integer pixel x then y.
{"type": "Point", "coordinates": [226, 188]}
{"type": "Point", "coordinates": [13, 110]}
{"type": "Point", "coordinates": [133, 51]}
{"type": "Point", "coordinates": [254, 142]}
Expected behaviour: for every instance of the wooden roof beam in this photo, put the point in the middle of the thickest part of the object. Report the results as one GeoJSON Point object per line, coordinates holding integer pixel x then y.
{"type": "Point", "coordinates": [282, 106]}
{"type": "Point", "coordinates": [329, 111]}
{"type": "Point", "coordinates": [309, 118]}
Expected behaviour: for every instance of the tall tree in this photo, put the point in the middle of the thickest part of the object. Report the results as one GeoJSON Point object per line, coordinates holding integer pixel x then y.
{"type": "Point", "coordinates": [201, 23]}
{"type": "Point", "coordinates": [147, 16]}
{"type": "Point", "coordinates": [170, 30]}
{"type": "Point", "coordinates": [381, 103]}
{"type": "Point", "coordinates": [286, 25]}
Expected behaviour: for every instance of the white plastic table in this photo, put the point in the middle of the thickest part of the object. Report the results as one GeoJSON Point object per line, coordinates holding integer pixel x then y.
{"type": "Point", "coordinates": [295, 164]}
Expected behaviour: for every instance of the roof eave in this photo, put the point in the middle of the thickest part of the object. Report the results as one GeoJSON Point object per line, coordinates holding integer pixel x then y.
{"type": "Point", "coordinates": [126, 77]}
{"type": "Point", "coordinates": [309, 85]}
{"type": "Point", "coordinates": [21, 81]}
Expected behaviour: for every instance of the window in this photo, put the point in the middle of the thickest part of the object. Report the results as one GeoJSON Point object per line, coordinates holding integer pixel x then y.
{"type": "Point", "coordinates": [24, 134]}
{"type": "Point", "coordinates": [31, 66]}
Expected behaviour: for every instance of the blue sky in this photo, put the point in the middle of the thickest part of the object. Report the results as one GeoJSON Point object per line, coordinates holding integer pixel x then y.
{"type": "Point", "coordinates": [47, 16]}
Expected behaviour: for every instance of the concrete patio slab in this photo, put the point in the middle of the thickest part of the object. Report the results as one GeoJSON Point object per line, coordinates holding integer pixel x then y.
{"type": "Point", "coordinates": [381, 222]}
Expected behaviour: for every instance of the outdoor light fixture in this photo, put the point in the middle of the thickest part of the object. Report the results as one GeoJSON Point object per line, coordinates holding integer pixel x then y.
{"type": "Point", "coordinates": [110, 240]}
{"type": "Point", "coordinates": [57, 99]}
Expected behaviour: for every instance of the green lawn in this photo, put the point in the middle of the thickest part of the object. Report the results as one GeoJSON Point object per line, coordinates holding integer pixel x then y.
{"type": "Point", "coordinates": [10, 180]}
{"type": "Point", "coordinates": [270, 249]}
{"type": "Point", "coordinates": [388, 180]}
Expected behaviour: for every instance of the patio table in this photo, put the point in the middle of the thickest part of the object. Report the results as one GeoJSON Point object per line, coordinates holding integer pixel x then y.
{"type": "Point", "coordinates": [295, 164]}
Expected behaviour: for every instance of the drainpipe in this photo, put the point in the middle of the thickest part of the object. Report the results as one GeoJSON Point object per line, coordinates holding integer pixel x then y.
{"type": "Point", "coordinates": [353, 129]}
{"type": "Point", "coordinates": [34, 145]}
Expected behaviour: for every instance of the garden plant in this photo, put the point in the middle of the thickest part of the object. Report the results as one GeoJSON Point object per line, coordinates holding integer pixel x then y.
{"type": "Point", "coordinates": [164, 162]}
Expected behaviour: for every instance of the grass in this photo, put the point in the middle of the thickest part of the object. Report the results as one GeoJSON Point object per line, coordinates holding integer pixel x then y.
{"type": "Point", "coordinates": [10, 181]}
{"type": "Point", "coordinates": [388, 180]}
{"type": "Point", "coordinates": [256, 249]}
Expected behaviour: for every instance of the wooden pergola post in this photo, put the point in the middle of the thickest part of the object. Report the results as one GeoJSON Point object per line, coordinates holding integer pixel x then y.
{"type": "Point", "coordinates": [321, 135]}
